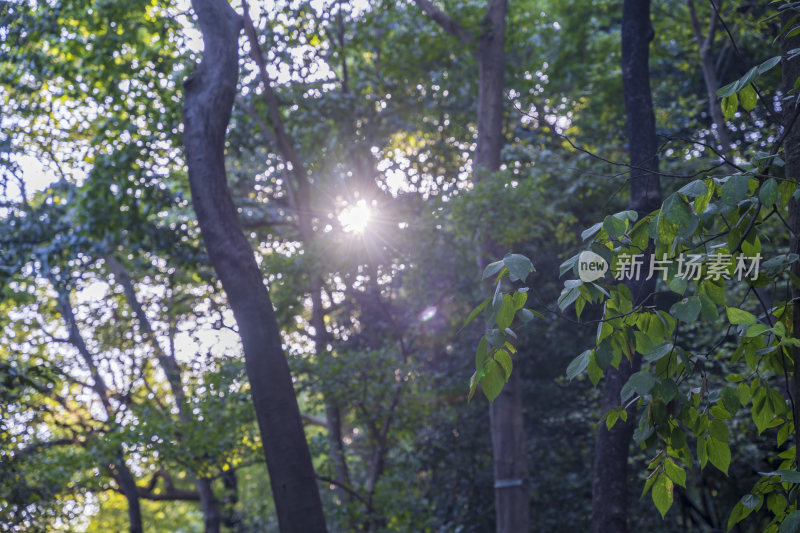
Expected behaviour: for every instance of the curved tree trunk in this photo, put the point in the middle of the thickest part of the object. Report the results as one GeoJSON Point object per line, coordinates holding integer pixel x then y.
{"type": "Point", "coordinates": [610, 479]}
{"type": "Point", "coordinates": [210, 93]}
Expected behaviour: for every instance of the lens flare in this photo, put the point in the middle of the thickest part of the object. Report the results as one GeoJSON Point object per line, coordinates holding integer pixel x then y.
{"type": "Point", "coordinates": [356, 218]}
{"type": "Point", "coordinates": [427, 313]}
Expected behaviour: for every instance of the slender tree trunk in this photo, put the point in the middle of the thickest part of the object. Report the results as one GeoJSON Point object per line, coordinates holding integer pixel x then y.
{"type": "Point", "coordinates": [712, 84]}
{"type": "Point", "coordinates": [210, 93]}
{"type": "Point", "coordinates": [230, 516]}
{"type": "Point", "coordinates": [610, 480]}
{"type": "Point", "coordinates": [127, 484]}
{"type": "Point", "coordinates": [121, 473]}
{"type": "Point", "coordinates": [208, 502]}
{"type": "Point", "coordinates": [510, 456]}
{"type": "Point", "coordinates": [791, 156]}
{"type": "Point", "coordinates": [704, 46]}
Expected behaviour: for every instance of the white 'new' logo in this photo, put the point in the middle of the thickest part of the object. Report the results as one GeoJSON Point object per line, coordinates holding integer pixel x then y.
{"type": "Point", "coordinates": [591, 266]}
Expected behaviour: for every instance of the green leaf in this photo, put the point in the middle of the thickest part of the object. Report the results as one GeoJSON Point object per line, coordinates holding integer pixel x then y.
{"type": "Point", "coordinates": [751, 501]}
{"type": "Point", "coordinates": [687, 309]}
{"type": "Point", "coordinates": [789, 476]}
{"type": "Point", "coordinates": [738, 316]}
{"type": "Point", "coordinates": [482, 353]}
{"type": "Point", "coordinates": [739, 513]}
{"type": "Point", "coordinates": [675, 473]}
{"type": "Point", "coordinates": [755, 330]}
{"type": "Point", "coordinates": [518, 266]}
{"type": "Point", "coordinates": [729, 106]}
{"type": "Point", "coordinates": [594, 372]}
{"type": "Point", "coordinates": [591, 232]}
{"type": "Point", "coordinates": [568, 296]}
{"type": "Point", "coordinates": [640, 382]}
{"type": "Point", "coordinates": [504, 359]}
{"type": "Point", "coordinates": [492, 383]}
{"type": "Point", "coordinates": [568, 265]}
{"type": "Point", "coordinates": [768, 194]}
{"type": "Point", "coordinates": [719, 454]}
{"type": "Point", "coordinates": [734, 190]}
{"type": "Point", "coordinates": [694, 189]}
{"type": "Point", "coordinates": [730, 399]}
{"type": "Point", "coordinates": [707, 308]}
{"type": "Point", "coordinates": [791, 524]}
{"type": "Point", "coordinates": [614, 226]}
{"type": "Point", "coordinates": [657, 352]}
{"type": "Point", "coordinates": [768, 64]}
{"type": "Point", "coordinates": [719, 430]}
{"type": "Point", "coordinates": [506, 314]}
{"type": "Point", "coordinates": [714, 290]}
{"type": "Point", "coordinates": [475, 312]}
{"type": "Point", "coordinates": [519, 298]}
{"type": "Point", "coordinates": [676, 211]}
{"type": "Point", "coordinates": [702, 451]}
{"type": "Point", "coordinates": [492, 269]}
{"type": "Point", "coordinates": [496, 337]}
{"type": "Point", "coordinates": [578, 365]}
{"type": "Point", "coordinates": [526, 315]}
{"type": "Point", "coordinates": [779, 262]}
{"type": "Point", "coordinates": [748, 97]}
{"type": "Point", "coordinates": [473, 385]}
{"type": "Point", "coordinates": [719, 412]}
{"type": "Point", "coordinates": [663, 494]}
{"type": "Point", "coordinates": [747, 78]}
{"type": "Point", "coordinates": [727, 90]}
{"type": "Point", "coordinates": [701, 202]}
{"type": "Point", "coordinates": [604, 354]}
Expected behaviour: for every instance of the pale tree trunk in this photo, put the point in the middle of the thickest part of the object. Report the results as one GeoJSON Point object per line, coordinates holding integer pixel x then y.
{"type": "Point", "coordinates": [210, 94]}
{"type": "Point", "coordinates": [704, 46]}
{"type": "Point", "coordinates": [610, 478]}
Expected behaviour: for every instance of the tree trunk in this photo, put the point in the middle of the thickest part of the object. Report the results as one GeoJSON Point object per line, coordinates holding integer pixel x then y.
{"type": "Point", "coordinates": [610, 479]}
{"type": "Point", "coordinates": [230, 498]}
{"type": "Point", "coordinates": [704, 45]}
{"type": "Point", "coordinates": [127, 484]}
{"type": "Point", "coordinates": [791, 156]}
{"type": "Point", "coordinates": [121, 473]}
{"type": "Point", "coordinates": [712, 84]}
{"type": "Point", "coordinates": [210, 93]}
{"type": "Point", "coordinates": [211, 515]}
{"type": "Point", "coordinates": [491, 72]}
{"type": "Point", "coordinates": [510, 457]}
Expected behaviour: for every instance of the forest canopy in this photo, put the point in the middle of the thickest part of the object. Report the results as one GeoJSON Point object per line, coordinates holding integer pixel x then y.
{"type": "Point", "coordinates": [399, 265]}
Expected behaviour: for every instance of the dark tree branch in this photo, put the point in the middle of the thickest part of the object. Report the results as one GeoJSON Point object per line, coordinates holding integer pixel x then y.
{"type": "Point", "coordinates": [447, 23]}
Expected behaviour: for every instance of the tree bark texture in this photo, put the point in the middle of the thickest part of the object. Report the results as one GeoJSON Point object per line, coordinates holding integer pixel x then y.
{"type": "Point", "coordinates": [210, 94]}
